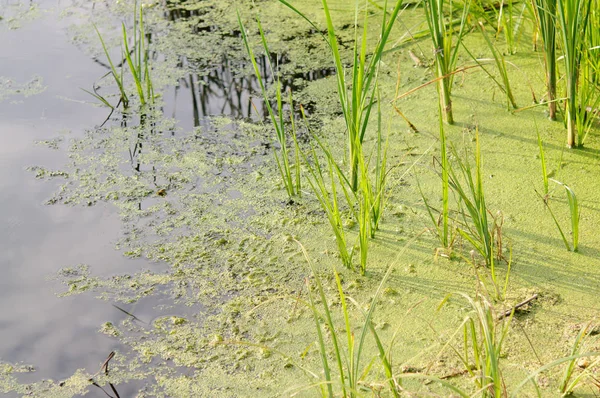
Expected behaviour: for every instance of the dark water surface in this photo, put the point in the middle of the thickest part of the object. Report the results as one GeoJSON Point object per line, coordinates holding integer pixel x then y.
{"type": "Point", "coordinates": [56, 335]}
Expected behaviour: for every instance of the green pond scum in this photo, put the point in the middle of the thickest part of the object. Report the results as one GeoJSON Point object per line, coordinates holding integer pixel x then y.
{"type": "Point", "coordinates": [208, 209]}
{"type": "Point", "coordinates": [10, 88]}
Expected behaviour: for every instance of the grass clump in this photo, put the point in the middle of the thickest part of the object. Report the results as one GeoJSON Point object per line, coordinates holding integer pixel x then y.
{"type": "Point", "coordinates": [291, 179]}
{"type": "Point", "coordinates": [575, 217]}
{"type": "Point", "coordinates": [483, 337]}
{"type": "Point", "coordinates": [137, 60]}
{"type": "Point", "coordinates": [348, 359]}
{"type": "Point", "coordinates": [572, 16]}
{"type": "Point", "coordinates": [474, 221]}
{"type": "Point", "coordinates": [476, 225]}
{"type": "Point", "coordinates": [357, 94]}
{"type": "Point", "coordinates": [365, 207]}
{"type": "Point", "coordinates": [445, 48]}
{"type": "Point", "coordinates": [545, 12]}
{"type": "Point", "coordinates": [323, 183]}
{"type": "Point", "coordinates": [571, 378]}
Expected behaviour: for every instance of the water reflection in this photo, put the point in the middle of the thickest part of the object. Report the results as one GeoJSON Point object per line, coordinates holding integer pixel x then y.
{"type": "Point", "coordinates": [227, 86]}
{"type": "Point", "coordinates": [224, 92]}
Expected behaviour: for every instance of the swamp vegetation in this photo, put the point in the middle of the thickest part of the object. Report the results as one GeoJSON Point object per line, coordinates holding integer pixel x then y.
{"type": "Point", "coordinates": [371, 198]}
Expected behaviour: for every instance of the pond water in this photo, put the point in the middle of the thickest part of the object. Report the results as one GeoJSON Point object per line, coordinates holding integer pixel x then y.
{"type": "Point", "coordinates": [36, 240]}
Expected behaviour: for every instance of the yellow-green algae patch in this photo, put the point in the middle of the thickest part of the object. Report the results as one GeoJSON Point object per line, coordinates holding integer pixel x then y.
{"type": "Point", "coordinates": [207, 207]}
{"type": "Point", "coordinates": [10, 88]}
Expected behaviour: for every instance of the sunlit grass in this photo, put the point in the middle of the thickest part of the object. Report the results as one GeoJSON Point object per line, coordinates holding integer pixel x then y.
{"type": "Point", "coordinates": [446, 44]}
{"type": "Point", "coordinates": [545, 11]}
{"type": "Point", "coordinates": [572, 16]}
{"type": "Point", "coordinates": [291, 179]}
{"type": "Point", "coordinates": [137, 61]}
{"type": "Point", "coordinates": [574, 215]}
{"type": "Point", "coordinates": [349, 358]}
{"type": "Point", "coordinates": [357, 94]}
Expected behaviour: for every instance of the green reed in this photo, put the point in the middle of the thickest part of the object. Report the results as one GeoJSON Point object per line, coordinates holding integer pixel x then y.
{"type": "Point", "coordinates": [545, 14]}
{"type": "Point", "coordinates": [501, 65]}
{"type": "Point", "coordinates": [117, 76]}
{"type": "Point", "coordinates": [291, 180]}
{"type": "Point", "coordinates": [478, 226]}
{"type": "Point", "coordinates": [365, 206]}
{"type": "Point", "coordinates": [542, 155]}
{"type": "Point", "coordinates": [358, 100]}
{"type": "Point", "coordinates": [511, 16]}
{"type": "Point", "coordinates": [572, 16]}
{"type": "Point", "coordinates": [574, 213]}
{"type": "Point", "coordinates": [377, 192]}
{"type": "Point", "coordinates": [443, 230]}
{"type": "Point", "coordinates": [588, 98]}
{"type": "Point", "coordinates": [469, 189]}
{"type": "Point", "coordinates": [326, 192]}
{"type": "Point", "coordinates": [349, 357]}
{"type": "Point", "coordinates": [483, 337]}
{"type": "Point", "coordinates": [593, 41]}
{"type": "Point", "coordinates": [506, 24]}
{"type": "Point", "coordinates": [445, 45]}
{"type": "Point", "coordinates": [360, 205]}
{"type": "Point", "coordinates": [137, 60]}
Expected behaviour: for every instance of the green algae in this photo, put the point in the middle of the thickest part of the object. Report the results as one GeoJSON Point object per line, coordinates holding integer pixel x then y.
{"type": "Point", "coordinates": [77, 384]}
{"type": "Point", "coordinates": [16, 15]}
{"type": "Point", "coordinates": [10, 88]}
{"type": "Point", "coordinates": [220, 238]}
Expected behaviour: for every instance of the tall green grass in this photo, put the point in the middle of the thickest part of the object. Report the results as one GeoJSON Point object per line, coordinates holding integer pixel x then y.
{"type": "Point", "coordinates": [366, 206]}
{"type": "Point", "coordinates": [574, 215]}
{"type": "Point", "coordinates": [483, 338]}
{"type": "Point", "coordinates": [290, 174]}
{"type": "Point", "coordinates": [445, 47]}
{"type": "Point", "coordinates": [137, 60]}
{"type": "Point", "coordinates": [467, 184]}
{"type": "Point", "coordinates": [545, 14]}
{"type": "Point", "coordinates": [441, 223]}
{"type": "Point", "coordinates": [376, 190]}
{"type": "Point", "coordinates": [572, 16]}
{"type": "Point", "coordinates": [506, 22]}
{"type": "Point", "coordinates": [472, 219]}
{"type": "Point", "coordinates": [346, 348]}
{"type": "Point", "coordinates": [593, 41]}
{"type": "Point", "coordinates": [588, 97]}
{"type": "Point", "coordinates": [356, 94]}
{"type": "Point", "coordinates": [323, 183]}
